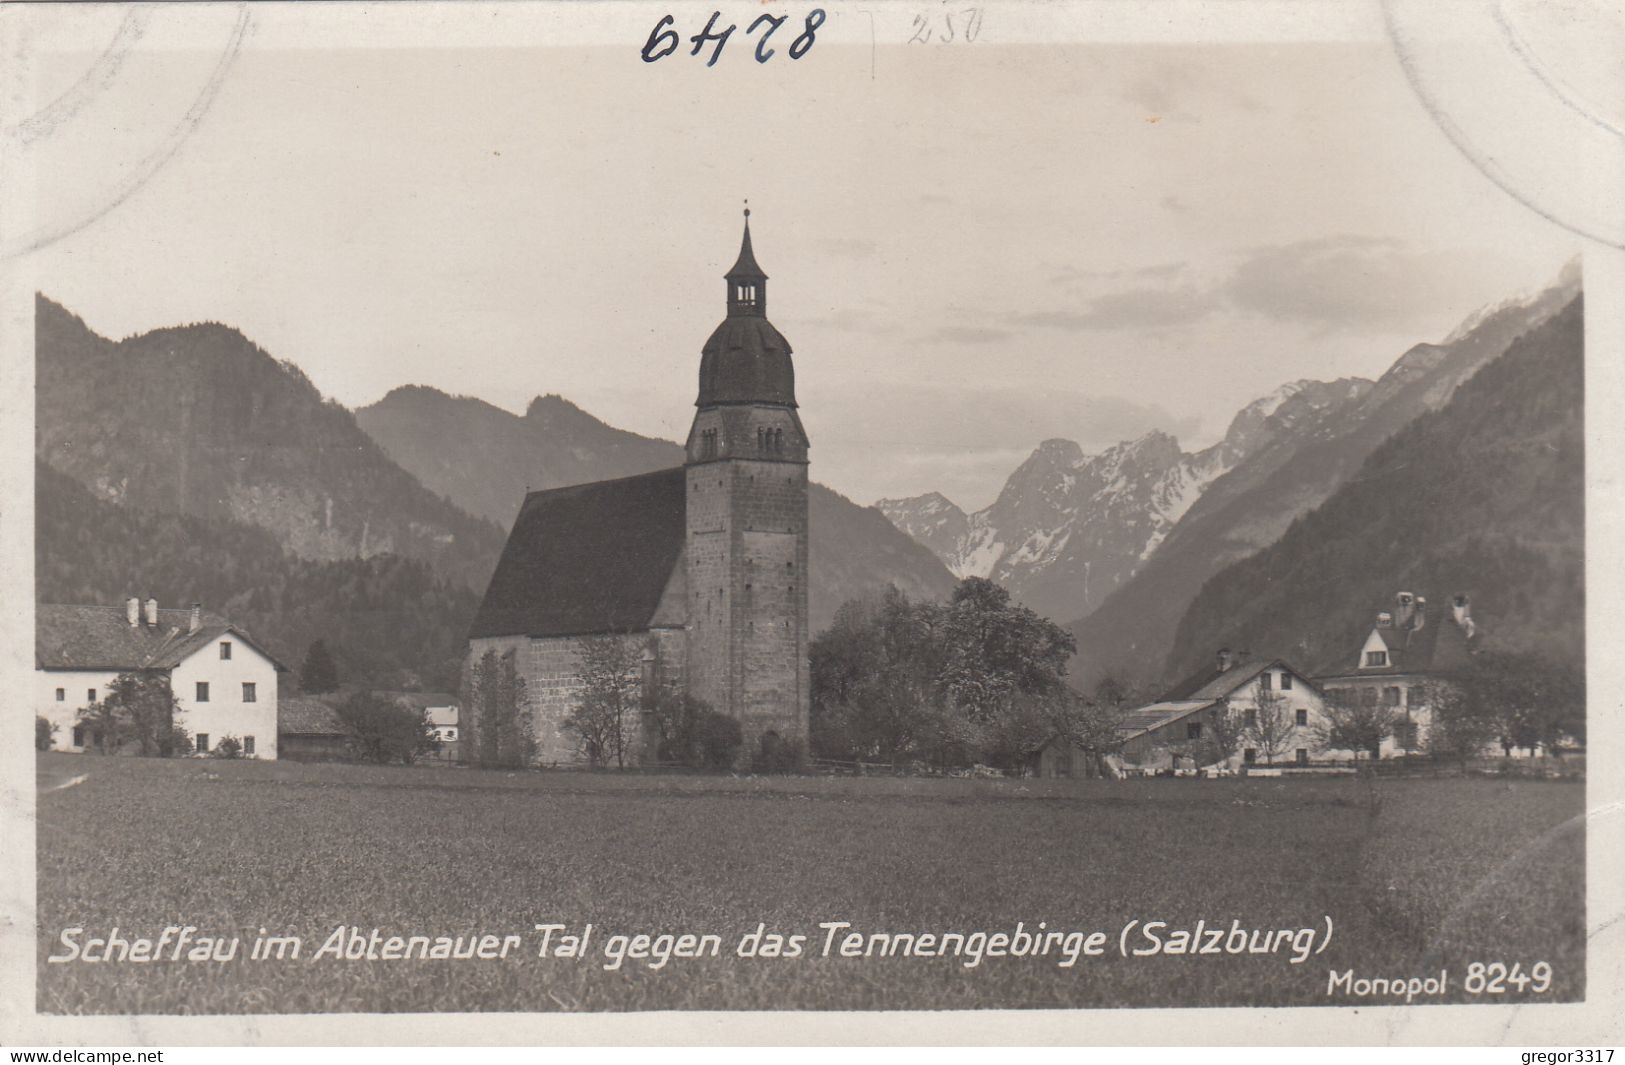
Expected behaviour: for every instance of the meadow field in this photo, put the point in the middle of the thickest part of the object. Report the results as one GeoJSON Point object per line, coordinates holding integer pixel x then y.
{"type": "Point", "coordinates": [1415, 876]}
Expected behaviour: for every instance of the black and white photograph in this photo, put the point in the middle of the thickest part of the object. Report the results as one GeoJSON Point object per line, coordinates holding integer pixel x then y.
{"type": "Point", "coordinates": [1046, 513]}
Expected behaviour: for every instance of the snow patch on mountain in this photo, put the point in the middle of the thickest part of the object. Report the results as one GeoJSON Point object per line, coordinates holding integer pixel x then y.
{"type": "Point", "coordinates": [1068, 527]}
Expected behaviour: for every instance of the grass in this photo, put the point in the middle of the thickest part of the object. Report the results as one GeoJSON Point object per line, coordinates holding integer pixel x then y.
{"type": "Point", "coordinates": [1416, 875]}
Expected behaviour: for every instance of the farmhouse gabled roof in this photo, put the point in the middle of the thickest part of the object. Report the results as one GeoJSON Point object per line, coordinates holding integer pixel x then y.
{"type": "Point", "coordinates": [1157, 715]}
{"type": "Point", "coordinates": [1212, 683]}
{"type": "Point", "coordinates": [300, 716]}
{"type": "Point", "coordinates": [590, 558]}
{"type": "Point", "coordinates": [101, 637]}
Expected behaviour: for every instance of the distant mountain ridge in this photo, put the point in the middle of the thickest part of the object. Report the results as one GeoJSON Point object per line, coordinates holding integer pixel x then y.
{"type": "Point", "coordinates": [1484, 496]}
{"type": "Point", "coordinates": [1251, 506]}
{"type": "Point", "coordinates": [1123, 541]}
{"type": "Point", "coordinates": [1068, 528]}
{"type": "Point", "coordinates": [553, 444]}
{"type": "Point", "coordinates": [199, 420]}
{"type": "Point", "coordinates": [485, 458]}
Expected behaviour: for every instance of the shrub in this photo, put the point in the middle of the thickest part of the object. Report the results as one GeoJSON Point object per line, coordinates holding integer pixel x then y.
{"type": "Point", "coordinates": [176, 742]}
{"type": "Point", "coordinates": [228, 747]}
{"type": "Point", "coordinates": [779, 755]}
{"type": "Point", "coordinates": [717, 739]}
{"type": "Point", "coordinates": [385, 732]}
{"type": "Point", "coordinates": [44, 733]}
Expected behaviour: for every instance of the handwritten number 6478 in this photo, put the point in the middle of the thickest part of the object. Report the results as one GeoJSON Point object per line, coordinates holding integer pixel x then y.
{"type": "Point", "coordinates": [663, 39]}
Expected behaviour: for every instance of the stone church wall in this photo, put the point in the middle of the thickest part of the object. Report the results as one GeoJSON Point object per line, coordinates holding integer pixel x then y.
{"type": "Point", "coordinates": [551, 669]}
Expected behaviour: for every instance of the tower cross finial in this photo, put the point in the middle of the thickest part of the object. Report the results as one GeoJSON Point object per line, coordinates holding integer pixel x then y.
{"type": "Point", "coordinates": [747, 207]}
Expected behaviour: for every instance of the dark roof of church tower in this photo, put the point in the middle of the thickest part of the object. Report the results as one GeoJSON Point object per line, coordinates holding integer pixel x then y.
{"type": "Point", "coordinates": [745, 268]}
{"type": "Point", "coordinates": [589, 558]}
{"type": "Point", "coordinates": [746, 360]}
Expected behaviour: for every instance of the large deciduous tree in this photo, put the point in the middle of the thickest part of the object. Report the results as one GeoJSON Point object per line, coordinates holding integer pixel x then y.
{"type": "Point", "coordinates": [139, 707]}
{"type": "Point", "coordinates": [1352, 723]}
{"type": "Point", "coordinates": [1515, 700]}
{"type": "Point", "coordinates": [993, 649]}
{"type": "Point", "coordinates": [1226, 731]}
{"type": "Point", "coordinates": [977, 678]}
{"type": "Point", "coordinates": [605, 718]}
{"type": "Point", "coordinates": [1269, 723]}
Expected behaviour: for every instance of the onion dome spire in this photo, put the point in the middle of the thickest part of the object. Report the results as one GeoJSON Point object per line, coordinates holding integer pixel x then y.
{"type": "Point", "coordinates": [747, 284]}
{"type": "Point", "coordinates": [746, 360]}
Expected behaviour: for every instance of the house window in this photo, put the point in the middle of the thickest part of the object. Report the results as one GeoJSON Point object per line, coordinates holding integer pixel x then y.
{"type": "Point", "coordinates": [78, 735]}
{"type": "Point", "coordinates": [1303, 716]}
{"type": "Point", "coordinates": [91, 695]}
{"type": "Point", "coordinates": [1406, 736]}
{"type": "Point", "coordinates": [1368, 696]}
{"type": "Point", "coordinates": [1249, 756]}
{"type": "Point", "coordinates": [61, 695]}
{"type": "Point", "coordinates": [1390, 696]}
{"type": "Point", "coordinates": [1376, 658]}
{"type": "Point", "coordinates": [1264, 681]}
{"type": "Point", "coordinates": [1193, 730]}
{"type": "Point", "coordinates": [225, 650]}
{"type": "Point", "coordinates": [202, 743]}
{"type": "Point", "coordinates": [1303, 756]}
{"type": "Point", "coordinates": [1249, 717]}
{"type": "Point", "coordinates": [1286, 682]}
{"type": "Point", "coordinates": [248, 745]}
{"type": "Point", "coordinates": [202, 691]}
{"type": "Point", "coordinates": [250, 695]}
{"type": "Point", "coordinates": [1413, 695]}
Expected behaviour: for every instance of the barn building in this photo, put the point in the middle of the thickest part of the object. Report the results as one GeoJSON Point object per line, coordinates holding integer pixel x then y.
{"type": "Point", "coordinates": [309, 730]}
{"type": "Point", "coordinates": [702, 568]}
{"type": "Point", "coordinates": [224, 683]}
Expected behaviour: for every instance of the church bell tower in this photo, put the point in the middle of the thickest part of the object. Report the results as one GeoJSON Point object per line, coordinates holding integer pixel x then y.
{"type": "Point", "coordinates": [747, 523]}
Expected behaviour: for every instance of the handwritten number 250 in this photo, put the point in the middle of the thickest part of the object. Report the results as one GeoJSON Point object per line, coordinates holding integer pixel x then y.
{"type": "Point", "coordinates": [663, 40]}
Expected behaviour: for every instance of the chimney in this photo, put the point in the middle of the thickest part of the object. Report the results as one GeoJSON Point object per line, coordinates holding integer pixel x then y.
{"type": "Point", "coordinates": [1421, 613]}
{"type": "Point", "coordinates": [132, 611]}
{"type": "Point", "coordinates": [1224, 659]}
{"type": "Point", "coordinates": [1459, 607]}
{"type": "Point", "coordinates": [1404, 606]}
{"type": "Point", "coordinates": [197, 618]}
{"type": "Point", "coordinates": [1385, 620]}
{"type": "Point", "coordinates": [152, 612]}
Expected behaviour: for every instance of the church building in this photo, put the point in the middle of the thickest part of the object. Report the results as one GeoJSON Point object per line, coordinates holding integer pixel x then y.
{"type": "Point", "coordinates": [703, 568]}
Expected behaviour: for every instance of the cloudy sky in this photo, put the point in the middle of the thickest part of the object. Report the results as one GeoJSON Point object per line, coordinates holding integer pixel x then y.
{"type": "Point", "coordinates": [973, 247]}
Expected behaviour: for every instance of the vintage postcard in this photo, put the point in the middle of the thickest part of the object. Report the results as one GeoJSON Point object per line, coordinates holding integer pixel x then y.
{"type": "Point", "coordinates": [788, 516]}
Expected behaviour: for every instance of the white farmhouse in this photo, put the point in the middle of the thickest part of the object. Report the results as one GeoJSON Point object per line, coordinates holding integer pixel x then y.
{"type": "Point", "coordinates": [225, 684]}
{"type": "Point", "coordinates": [1162, 733]}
